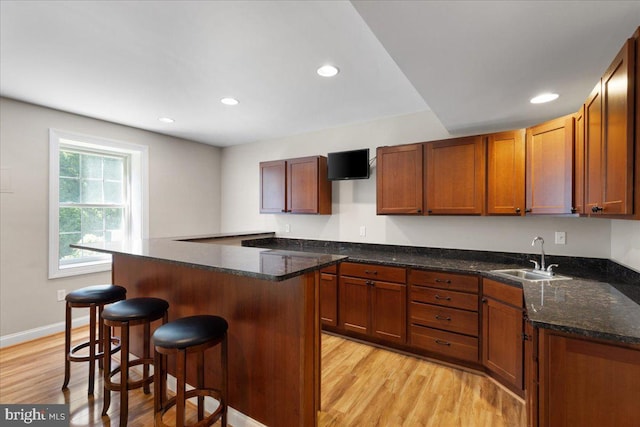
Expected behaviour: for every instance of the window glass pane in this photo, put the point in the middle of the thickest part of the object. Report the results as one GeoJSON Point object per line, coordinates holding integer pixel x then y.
{"type": "Point", "coordinates": [112, 192]}
{"type": "Point", "coordinates": [91, 166]}
{"type": "Point", "coordinates": [69, 220]}
{"type": "Point", "coordinates": [65, 240]}
{"type": "Point", "coordinates": [91, 191]}
{"type": "Point", "coordinates": [69, 164]}
{"type": "Point", "coordinates": [113, 218]}
{"type": "Point", "coordinates": [92, 220]}
{"type": "Point", "coordinates": [92, 237]}
{"type": "Point", "coordinates": [69, 190]}
{"type": "Point", "coordinates": [113, 169]}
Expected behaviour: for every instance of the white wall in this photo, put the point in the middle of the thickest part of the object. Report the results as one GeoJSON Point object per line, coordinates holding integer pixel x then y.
{"type": "Point", "coordinates": [354, 202]}
{"type": "Point", "coordinates": [625, 243]}
{"type": "Point", "coordinates": [184, 186]}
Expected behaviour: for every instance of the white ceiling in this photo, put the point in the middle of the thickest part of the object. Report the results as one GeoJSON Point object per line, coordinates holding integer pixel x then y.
{"type": "Point", "coordinates": [474, 63]}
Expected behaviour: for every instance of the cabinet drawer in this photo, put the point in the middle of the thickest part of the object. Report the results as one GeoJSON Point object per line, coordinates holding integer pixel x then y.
{"type": "Point", "coordinates": [447, 343]}
{"type": "Point", "coordinates": [450, 319]}
{"type": "Point", "coordinates": [374, 271]}
{"type": "Point", "coordinates": [332, 269]}
{"type": "Point", "coordinates": [452, 281]}
{"type": "Point", "coordinates": [502, 292]}
{"type": "Point", "coordinates": [444, 297]}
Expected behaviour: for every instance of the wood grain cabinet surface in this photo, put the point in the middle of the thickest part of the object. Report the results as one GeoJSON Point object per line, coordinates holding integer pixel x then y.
{"type": "Point", "coordinates": [505, 173]}
{"type": "Point", "coordinates": [502, 333]}
{"type": "Point", "coordinates": [329, 297]}
{"type": "Point", "coordinates": [443, 315]}
{"type": "Point", "coordinates": [399, 180]}
{"type": "Point", "coordinates": [549, 167]}
{"type": "Point", "coordinates": [295, 186]}
{"type": "Point", "coordinates": [609, 138]}
{"type": "Point", "coordinates": [372, 301]}
{"type": "Point", "coordinates": [585, 382]}
{"type": "Point", "coordinates": [455, 176]}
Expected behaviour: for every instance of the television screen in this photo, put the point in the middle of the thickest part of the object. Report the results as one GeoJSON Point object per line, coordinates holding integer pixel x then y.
{"type": "Point", "coordinates": [348, 165]}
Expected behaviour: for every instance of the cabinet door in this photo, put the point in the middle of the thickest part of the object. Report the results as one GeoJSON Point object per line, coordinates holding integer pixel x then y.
{"type": "Point", "coordinates": [502, 344]}
{"type": "Point", "coordinates": [399, 180]}
{"type": "Point", "coordinates": [531, 374]}
{"type": "Point", "coordinates": [617, 133]}
{"type": "Point", "coordinates": [587, 383]}
{"type": "Point", "coordinates": [302, 185]}
{"type": "Point", "coordinates": [578, 162]}
{"type": "Point", "coordinates": [329, 299]}
{"type": "Point", "coordinates": [593, 150]}
{"type": "Point", "coordinates": [354, 313]}
{"type": "Point", "coordinates": [550, 167]}
{"type": "Point", "coordinates": [388, 307]}
{"type": "Point", "coordinates": [273, 184]}
{"type": "Point", "coordinates": [505, 173]}
{"type": "Point", "coordinates": [455, 176]}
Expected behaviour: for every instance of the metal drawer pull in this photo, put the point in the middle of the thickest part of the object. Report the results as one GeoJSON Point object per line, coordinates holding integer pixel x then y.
{"type": "Point", "coordinates": [443, 281]}
{"type": "Point", "coordinates": [442, 318]}
{"type": "Point", "coordinates": [442, 342]}
{"type": "Point", "coordinates": [444, 298]}
{"type": "Point", "coordinates": [374, 272]}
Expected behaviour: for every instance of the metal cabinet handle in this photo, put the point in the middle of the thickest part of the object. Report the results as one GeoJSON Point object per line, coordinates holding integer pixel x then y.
{"type": "Point", "coordinates": [444, 298]}
{"type": "Point", "coordinates": [447, 281]}
{"type": "Point", "coordinates": [441, 342]}
{"type": "Point", "coordinates": [597, 209]}
{"type": "Point", "coordinates": [517, 210]}
{"type": "Point", "coordinates": [438, 317]}
{"type": "Point", "coordinates": [374, 272]}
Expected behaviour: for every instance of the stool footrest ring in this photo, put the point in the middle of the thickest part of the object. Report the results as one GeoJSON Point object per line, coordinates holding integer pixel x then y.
{"type": "Point", "coordinates": [115, 341]}
{"type": "Point", "coordinates": [131, 385]}
{"type": "Point", "coordinates": [203, 392]}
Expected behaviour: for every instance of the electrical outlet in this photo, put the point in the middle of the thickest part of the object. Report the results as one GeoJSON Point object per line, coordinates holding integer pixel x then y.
{"type": "Point", "coordinates": [363, 231]}
{"type": "Point", "coordinates": [561, 238]}
{"type": "Point", "coordinates": [287, 228]}
{"type": "Point", "coordinates": [61, 294]}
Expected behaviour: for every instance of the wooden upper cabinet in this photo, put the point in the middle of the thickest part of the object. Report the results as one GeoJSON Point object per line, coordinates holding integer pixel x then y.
{"type": "Point", "coordinates": [455, 176]}
{"type": "Point", "coordinates": [578, 163]}
{"type": "Point", "coordinates": [295, 186]}
{"type": "Point", "coordinates": [609, 138]}
{"type": "Point", "coordinates": [399, 180]}
{"type": "Point", "coordinates": [273, 186]}
{"type": "Point", "coordinates": [505, 173]}
{"type": "Point", "coordinates": [549, 169]}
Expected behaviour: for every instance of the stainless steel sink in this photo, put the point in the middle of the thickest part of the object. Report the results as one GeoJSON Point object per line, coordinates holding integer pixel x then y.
{"type": "Point", "coordinates": [530, 275]}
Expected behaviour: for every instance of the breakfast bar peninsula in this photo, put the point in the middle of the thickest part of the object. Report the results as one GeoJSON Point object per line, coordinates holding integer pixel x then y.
{"type": "Point", "coordinates": [270, 298]}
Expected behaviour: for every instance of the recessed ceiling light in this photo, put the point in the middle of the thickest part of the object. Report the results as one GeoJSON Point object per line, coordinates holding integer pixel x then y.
{"type": "Point", "coordinates": [166, 120]}
{"type": "Point", "coordinates": [229, 101]}
{"type": "Point", "coordinates": [328, 71]}
{"type": "Point", "coordinates": [545, 97]}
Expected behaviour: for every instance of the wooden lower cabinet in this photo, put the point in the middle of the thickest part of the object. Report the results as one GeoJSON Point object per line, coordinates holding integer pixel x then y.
{"type": "Point", "coordinates": [502, 333]}
{"type": "Point", "coordinates": [585, 382]}
{"type": "Point", "coordinates": [443, 314]}
{"type": "Point", "coordinates": [372, 305]}
{"type": "Point", "coordinates": [329, 296]}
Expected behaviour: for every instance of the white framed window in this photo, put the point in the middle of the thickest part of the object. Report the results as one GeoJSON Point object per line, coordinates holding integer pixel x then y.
{"type": "Point", "coordinates": [97, 193]}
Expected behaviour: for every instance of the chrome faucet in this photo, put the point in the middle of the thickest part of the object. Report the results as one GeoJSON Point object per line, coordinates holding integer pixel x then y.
{"type": "Point", "coordinates": [541, 268]}
{"type": "Point", "coordinates": [533, 243]}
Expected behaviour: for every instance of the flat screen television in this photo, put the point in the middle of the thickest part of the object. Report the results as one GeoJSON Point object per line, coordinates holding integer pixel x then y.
{"type": "Point", "coordinates": [352, 164]}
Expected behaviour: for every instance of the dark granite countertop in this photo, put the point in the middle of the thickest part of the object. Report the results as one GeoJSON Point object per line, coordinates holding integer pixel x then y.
{"type": "Point", "coordinates": [601, 301]}
{"type": "Point", "coordinates": [260, 263]}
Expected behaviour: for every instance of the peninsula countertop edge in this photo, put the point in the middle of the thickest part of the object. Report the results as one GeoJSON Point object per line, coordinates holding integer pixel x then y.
{"type": "Point", "coordinates": [202, 252]}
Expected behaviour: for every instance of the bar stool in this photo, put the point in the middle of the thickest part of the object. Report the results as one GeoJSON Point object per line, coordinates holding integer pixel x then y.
{"type": "Point", "coordinates": [185, 336]}
{"type": "Point", "coordinates": [91, 297]}
{"type": "Point", "coordinates": [124, 314]}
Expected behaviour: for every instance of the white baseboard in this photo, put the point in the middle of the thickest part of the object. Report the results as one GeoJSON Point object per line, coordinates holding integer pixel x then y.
{"type": "Point", "coordinates": [42, 331]}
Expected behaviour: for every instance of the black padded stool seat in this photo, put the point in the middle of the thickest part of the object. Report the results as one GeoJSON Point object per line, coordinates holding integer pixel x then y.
{"type": "Point", "coordinates": [193, 334]}
{"type": "Point", "coordinates": [124, 314]}
{"type": "Point", "coordinates": [91, 297]}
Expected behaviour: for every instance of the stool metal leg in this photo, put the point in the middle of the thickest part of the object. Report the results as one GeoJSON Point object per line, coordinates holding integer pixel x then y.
{"type": "Point", "coordinates": [106, 402]}
{"type": "Point", "coordinates": [92, 346]}
{"type": "Point", "coordinates": [67, 345]}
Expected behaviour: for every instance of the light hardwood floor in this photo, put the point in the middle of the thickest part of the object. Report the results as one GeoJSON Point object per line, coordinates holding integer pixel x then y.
{"type": "Point", "coordinates": [361, 386]}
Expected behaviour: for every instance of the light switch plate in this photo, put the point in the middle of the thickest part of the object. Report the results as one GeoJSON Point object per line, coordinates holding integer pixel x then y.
{"type": "Point", "coordinates": [561, 238]}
